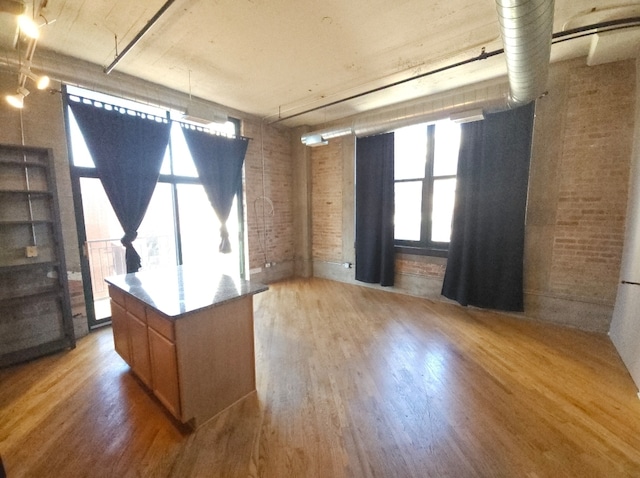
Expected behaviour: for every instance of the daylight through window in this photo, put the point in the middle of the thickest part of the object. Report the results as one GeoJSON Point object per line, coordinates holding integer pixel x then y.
{"type": "Point", "coordinates": [180, 225]}
{"type": "Point", "coordinates": [426, 161]}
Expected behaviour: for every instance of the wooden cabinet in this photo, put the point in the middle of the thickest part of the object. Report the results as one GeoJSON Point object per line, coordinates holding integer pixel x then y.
{"type": "Point", "coordinates": [164, 369]}
{"type": "Point", "coordinates": [120, 331]}
{"type": "Point", "coordinates": [200, 361]}
{"type": "Point", "coordinates": [35, 310]}
{"type": "Point", "coordinates": [144, 340]}
{"type": "Point", "coordinates": [139, 349]}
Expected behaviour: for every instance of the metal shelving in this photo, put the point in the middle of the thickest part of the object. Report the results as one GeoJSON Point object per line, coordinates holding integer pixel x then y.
{"type": "Point", "coordinates": [35, 310]}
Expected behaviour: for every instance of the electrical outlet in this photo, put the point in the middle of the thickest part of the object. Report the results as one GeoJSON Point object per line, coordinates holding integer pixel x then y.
{"type": "Point", "coordinates": [31, 251]}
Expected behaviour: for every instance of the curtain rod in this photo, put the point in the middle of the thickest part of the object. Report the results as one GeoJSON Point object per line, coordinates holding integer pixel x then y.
{"type": "Point", "coordinates": [579, 32]}
{"type": "Point", "coordinates": [85, 100]}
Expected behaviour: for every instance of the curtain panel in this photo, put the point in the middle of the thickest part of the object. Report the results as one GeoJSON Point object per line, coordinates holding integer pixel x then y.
{"type": "Point", "coordinates": [485, 262]}
{"type": "Point", "coordinates": [375, 255]}
{"type": "Point", "coordinates": [127, 149]}
{"type": "Point", "coordinates": [218, 160]}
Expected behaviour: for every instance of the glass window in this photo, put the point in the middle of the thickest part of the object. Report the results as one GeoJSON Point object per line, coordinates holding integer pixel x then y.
{"type": "Point", "coordinates": [410, 152]}
{"type": "Point", "coordinates": [426, 163]}
{"type": "Point", "coordinates": [408, 210]}
{"type": "Point", "coordinates": [180, 225]}
{"type": "Point", "coordinates": [79, 151]}
{"type": "Point", "coordinates": [444, 196]}
{"type": "Point", "coordinates": [446, 147]}
{"type": "Point", "coordinates": [155, 242]}
{"type": "Point", "coordinates": [183, 164]}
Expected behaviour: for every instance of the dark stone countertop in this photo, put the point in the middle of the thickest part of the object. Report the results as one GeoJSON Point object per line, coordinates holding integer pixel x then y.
{"type": "Point", "coordinates": [176, 291]}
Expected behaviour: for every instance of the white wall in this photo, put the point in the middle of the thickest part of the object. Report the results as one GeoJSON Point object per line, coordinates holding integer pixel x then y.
{"type": "Point", "coordinates": [625, 325]}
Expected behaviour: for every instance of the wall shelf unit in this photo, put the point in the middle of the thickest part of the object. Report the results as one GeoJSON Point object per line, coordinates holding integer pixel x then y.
{"type": "Point", "coordinates": [35, 310]}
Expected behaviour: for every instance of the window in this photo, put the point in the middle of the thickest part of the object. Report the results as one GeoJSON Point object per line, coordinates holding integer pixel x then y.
{"type": "Point", "coordinates": [179, 227]}
{"type": "Point", "coordinates": [426, 161]}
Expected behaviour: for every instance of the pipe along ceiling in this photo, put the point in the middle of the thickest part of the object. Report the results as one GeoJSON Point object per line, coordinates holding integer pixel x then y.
{"type": "Point", "coordinates": [526, 27]}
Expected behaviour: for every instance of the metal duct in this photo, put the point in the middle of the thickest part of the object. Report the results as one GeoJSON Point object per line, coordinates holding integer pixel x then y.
{"type": "Point", "coordinates": [526, 27]}
{"type": "Point", "coordinates": [490, 98]}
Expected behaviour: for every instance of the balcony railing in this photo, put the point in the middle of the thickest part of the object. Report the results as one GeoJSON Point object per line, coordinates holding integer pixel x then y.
{"type": "Point", "coordinates": [106, 258]}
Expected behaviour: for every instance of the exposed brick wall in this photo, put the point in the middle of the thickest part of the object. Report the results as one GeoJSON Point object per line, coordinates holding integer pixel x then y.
{"type": "Point", "coordinates": [326, 202]}
{"type": "Point", "coordinates": [423, 266]}
{"type": "Point", "coordinates": [78, 306]}
{"type": "Point", "coordinates": [327, 215]}
{"type": "Point", "coordinates": [593, 182]}
{"type": "Point", "coordinates": [268, 173]}
{"type": "Point", "coordinates": [578, 200]}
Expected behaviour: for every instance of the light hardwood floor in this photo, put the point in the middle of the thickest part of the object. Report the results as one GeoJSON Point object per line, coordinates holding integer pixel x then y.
{"type": "Point", "coordinates": [351, 382]}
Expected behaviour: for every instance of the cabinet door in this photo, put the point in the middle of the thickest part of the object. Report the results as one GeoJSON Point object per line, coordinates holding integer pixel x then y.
{"type": "Point", "coordinates": [164, 367]}
{"type": "Point", "coordinates": [139, 349]}
{"type": "Point", "coordinates": [120, 331]}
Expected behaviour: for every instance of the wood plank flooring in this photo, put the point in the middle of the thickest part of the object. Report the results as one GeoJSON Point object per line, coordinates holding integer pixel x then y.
{"type": "Point", "coordinates": [351, 382]}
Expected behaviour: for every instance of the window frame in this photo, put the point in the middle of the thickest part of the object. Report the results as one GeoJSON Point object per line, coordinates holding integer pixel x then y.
{"type": "Point", "coordinates": [425, 246]}
{"type": "Point", "coordinates": [78, 172]}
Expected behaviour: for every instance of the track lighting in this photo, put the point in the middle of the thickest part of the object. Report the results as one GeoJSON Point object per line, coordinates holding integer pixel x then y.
{"type": "Point", "coordinates": [31, 29]}
{"type": "Point", "coordinates": [28, 26]}
{"type": "Point", "coordinates": [17, 100]}
{"type": "Point", "coordinates": [42, 82]}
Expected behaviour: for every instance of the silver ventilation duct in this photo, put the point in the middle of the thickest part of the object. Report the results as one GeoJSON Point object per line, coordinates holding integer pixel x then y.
{"type": "Point", "coordinates": [526, 27]}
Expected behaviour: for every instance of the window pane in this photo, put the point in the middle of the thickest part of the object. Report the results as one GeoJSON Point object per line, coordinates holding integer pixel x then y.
{"type": "Point", "coordinates": [155, 242]}
{"type": "Point", "coordinates": [166, 161]}
{"type": "Point", "coordinates": [156, 235]}
{"type": "Point", "coordinates": [79, 151]}
{"type": "Point", "coordinates": [410, 151]}
{"type": "Point", "coordinates": [447, 144]}
{"type": "Point", "coordinates": [200, 231]}
{"type": "Point", "coordinates": [408, 210]}
{"type": "Point", "coordinates": [183, 164]}
{"type": "Point", "coordinates": [444, 194]}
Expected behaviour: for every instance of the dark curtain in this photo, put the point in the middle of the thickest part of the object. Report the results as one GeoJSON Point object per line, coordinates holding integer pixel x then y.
{"type": "Point", "coordinates": [218, 160]}
{"type": "Point", "coordinates": [485, 262]}
{"type": "Point", "coordinates": [375, 261]}
{"type": "Point", "coordinates": [127, 150]}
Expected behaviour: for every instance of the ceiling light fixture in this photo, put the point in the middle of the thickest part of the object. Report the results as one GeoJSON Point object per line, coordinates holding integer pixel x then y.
{"type": "Point", "coordinates": [42, 82]}
{"type": "Point", "coordinates": [204, 114]}
{"type": "Point", "coordinates": [28, 26]}
{"type": "Point", "coordinates": [314, 140]}
{"type": "Point", "coordinates": [17, 100]}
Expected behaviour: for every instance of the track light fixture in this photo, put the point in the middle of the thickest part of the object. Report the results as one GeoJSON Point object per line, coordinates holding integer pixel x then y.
{"type": "Point", "coordinates": [17, 100]}
{"type": "Point", "coordinates": [42, 82]}
{"type": "Point", "coordinates": [30, 29]}
{"type": "Point", "coordinates": [28, 26]}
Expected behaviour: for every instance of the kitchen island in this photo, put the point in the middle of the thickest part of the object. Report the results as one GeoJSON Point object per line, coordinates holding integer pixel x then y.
{"type": "Point", "coordinates": [187, 334]}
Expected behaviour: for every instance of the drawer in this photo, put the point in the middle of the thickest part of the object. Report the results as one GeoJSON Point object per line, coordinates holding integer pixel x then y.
{"type": "Point", "coordinates": [135, 307]}
{"type": "Point", "coordinates": [116, 295]}
{"type": "Point", "coordinates": [161, 325]}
